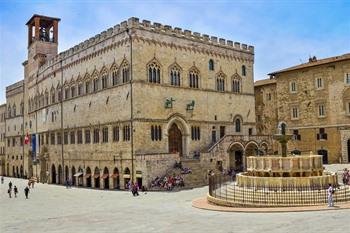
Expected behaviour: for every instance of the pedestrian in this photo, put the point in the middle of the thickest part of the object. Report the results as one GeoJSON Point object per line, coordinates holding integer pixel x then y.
{"type": "Point", "coordinates": [10, 185]}
{"type": "Point", "coordinates": [2, 180]}
{"type": "Point", "coordinates": [345, 176]}
{"type": "Point", "coordinates": [9, 192]}
{"type": "Point", "coordinates": [15, 191]}
{"type": "Point", "coordinates": [330, 196]}
{"type": "Point", "coordinates": [66, 183]}
{"type": "Point", "coordinates": [26, 192]}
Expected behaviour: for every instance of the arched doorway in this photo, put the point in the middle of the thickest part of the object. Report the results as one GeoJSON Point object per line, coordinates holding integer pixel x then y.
{"type": "Point", "coordinates": [13, 171]}
{"type": "Point", "coordinates": [21, 171]}
{"type": "Point", "coordinates": [105, 178]}
{"type": "Point", "coordinates": [17, 172]}
{"type": "Point", "coordinates": [72, 176]}
{"type": "Point", "coordinates": [53, 174]}
{"type": "Point", "coordinates": [60, 174]}
{"type": "Point", "coordinates": [97, 177]}
{"type": "Point", "coordinates": [8, 170]}
{"type": "Point", "coordinates": [115, 177]}
{"type": "Point", "coordinates": [175, 139]}
{"type": "Point", "coordinates": [88, 177]}
{"type": "Point", "coordinates": [348, 150]}
{"type": "Point", "coordinates": [66, 172]}
{"type": "Point", "coordinates": [324, 154]}
{"type": "Point", "coordinates": [126, 177]}
{"type": "Point", "coordinates": [236, 156]}
{"type": "Point", "coordinates": [251, 149]}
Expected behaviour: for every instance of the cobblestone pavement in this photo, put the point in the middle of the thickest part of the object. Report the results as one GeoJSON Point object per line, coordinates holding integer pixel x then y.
{"type": "Point", "coordinates": [52, 208]}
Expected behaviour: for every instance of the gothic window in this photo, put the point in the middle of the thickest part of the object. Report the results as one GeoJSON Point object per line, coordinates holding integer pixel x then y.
{"type": "Point", "coordinates": [65, 138]}
{"type": "Point", "coordinates": [115, 133]}
{"type": "Point", "coordinates": [96, 84]}
{"type": "Point", "coordinates": [59, 95]}
{"type": "Point", "coordinates": [220, 82]}
{"type": "Point", "coordinates": [46, 98]}
{"type": "Point", "coordinates": [72, 137]}
{"type": "Point", "coordinates": [222, 131]}
{"type": "Point", "coordinates": [211, 64]}
{"type": "Point", "coordinates": [194, 78]}
{"type": "Point", "coordinates": [154, 73]}
{"type": "Point", "coordinates": [236, 86]}
{"type": "Point", "coordinates": [96, 135]}
{"type": "Point", "coordinates": [105, 135]}
{"type": "Point", "coordinates": [244, 70]}
{"type": "Point", "coordinates": [87, 136]}
{"type": "Point", "coordinates": [114, 76]}
{"type": "Point", "coordinates": [195, 133]}
{"type": "Point", "coordinates": [80, 89]}
{"type": "Point", "coordinates": [126, 133]}
{"type": "Point", "coordinates": [175, 73]}
{"type": "Point", "coordinates": [66, 93]}
{"type": "Point", "coordinates": [238, 125]}
{"type": "Point", "coordinates": [72, 91]}
{"type": "Point", "coordinates": [87, 87]}
{"type": "Point", "coordinates": [9, 112]}
{"type": "Point", "coordinates": [156, 133]}
{"type": "Point", "coordinates": [53, 96]}
{"type": "Point", "coordinates": [52, 138]}
{"type": "Point", "coordinates": [104, 80]}
{"type": "Point", "coordinates": [125, 72]}
{"type": "Point", "coordinates": [59, 138]}
{"type": "Point", "coordinates": [14, 110]}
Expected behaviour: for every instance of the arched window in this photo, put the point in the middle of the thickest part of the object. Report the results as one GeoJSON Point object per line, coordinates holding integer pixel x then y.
{"type": "Point", "coordinates": [211, 64]}
{"type": "Point", "coordinates": [175, 78]}
{"type": "Point", "coordinates": [220, 82]}
{"type": "Point", "coordinates": [236, 86]}
{"type": "Point", "coordinates": [244, 71]}
{"type": "Point", "coordinates": [14, 110]}
{"type": "Point", "coordinates": [125, 72]}
{"type": "Point", "coordinates": [22, 108]}
{"type": "Point", "coordinates": [114, 72]}
{"type": "Point", "coordinates": [238, 125]}
{"type": "Point", "coordinates": [194, 78]}
{"type": "Point", "coordinates": [46, 98]}
{"type": "Point", "coordinates": [104, 78]}
{"type": "Point", "coordinates": [9, 112]}
{"type": "Point", "coordinates": [154, 73]}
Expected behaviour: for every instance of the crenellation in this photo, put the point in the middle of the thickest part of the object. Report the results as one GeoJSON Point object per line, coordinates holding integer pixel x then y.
{"type": "Point", "coordinates": [237, 45]}
{"type": "Point", "coordinates": [124, 24]}
{"type": "Point", "coordinates": [157, 25]}
{"type": "Point", "coordinates": [187, 32]}
{"type": "Point", "coordinates": [229, 43]}
{"type": "Point", "coordinates": [116, 28]}
{"type": "Point", "coordinates": [222, 41]}
{"type": "Point", "coordinates": [205, 37]}
{"type": "Point", "coordinates": [133, 21]}
{"type": "Point", "coordinates": [244, 46]}
{"type": "Point", "coordinates": [214, 39]}
{"type": "Point", "coordinates": [251, 48]}
{"type": "Point", "coordinates": [167, 28]}
{"type": "Point", "coordinates": [146, 23]}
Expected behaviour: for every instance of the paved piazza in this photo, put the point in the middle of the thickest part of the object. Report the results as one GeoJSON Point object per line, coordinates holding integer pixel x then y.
{"type": "Point", "coordinates": [54, 208]}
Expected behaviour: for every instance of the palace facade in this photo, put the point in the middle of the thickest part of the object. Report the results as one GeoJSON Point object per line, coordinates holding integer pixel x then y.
{"type": "Point", "coordinates": [129, 102]}
{"type": "Point", "coordinates": [313, 99]}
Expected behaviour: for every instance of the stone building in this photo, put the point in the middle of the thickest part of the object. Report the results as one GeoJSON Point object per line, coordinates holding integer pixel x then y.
{"type": "Point", "coordinates": [313, 99]}
{"type": "Point", "coordinates": [129, 102]}
{"type": "Point", "coordinates": [2, 138]}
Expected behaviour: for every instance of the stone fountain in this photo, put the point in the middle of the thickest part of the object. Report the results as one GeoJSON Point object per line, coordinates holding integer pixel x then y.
{"type": "Point", "coordinates": [279, 180]}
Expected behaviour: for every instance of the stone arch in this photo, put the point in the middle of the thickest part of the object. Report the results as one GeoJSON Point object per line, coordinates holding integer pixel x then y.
{"type": "Point", "coordinates": [238, 123]}
{"type": "Point", "coordinates": [66, 173]}
{"type": "Point", "coordinates": [251, 148]}
{"type": "Point", "coordinates": [72, 177]}
{"type": "Point", "coordinates": [126, 177]}
{"type": "Point", "coordinates": [236, 156]}
{"type": "Point", "coordinates": [60, 175]}
{"type": "Point", "coordinates": [178, 121]}
{"type": "Point", "coordinates": [116, 178]}
{"type": "Point", "coordinates": [97, 177]}
{"type": "Point", "coordinates": [88, 177]}
{"type": "Point", "coordinates": [264, 146]}
{"type": "Point", "coordinates": [105, 178]}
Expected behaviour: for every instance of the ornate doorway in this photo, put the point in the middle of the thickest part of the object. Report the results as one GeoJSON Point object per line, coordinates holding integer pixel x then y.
{"type": "Point", "coordinates": [175, 140]}
{"type": "Point", "coordinates": [53, 174]}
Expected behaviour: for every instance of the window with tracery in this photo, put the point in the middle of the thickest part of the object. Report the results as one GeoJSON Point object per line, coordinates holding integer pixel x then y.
{"type": "Point", "coordinates": [236, 86]}
{"type": "Point", "coordinates": [175, 78]}
{"type": "Point", "coordinates": [114, 76]}
{"type": "Point", "coordinates": [125, 72]}
{"type": "Point", "coordinates": [154, 73]}
{"type": "Point", "coordinates": [220, 82]}
{"type": "Point", "coordinates": [194, 79]}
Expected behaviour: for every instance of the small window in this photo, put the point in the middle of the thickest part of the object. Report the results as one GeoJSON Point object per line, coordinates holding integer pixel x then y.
{"type": "Point", "coordinates": [96, 85]}
{"type": "Point", "coordinates": [80, 89]}
{"type": "Point", "coordinates": [126, 133]}
{"type": "Point", "coordinates": [250, 131]}
{"type": "Point", "coordinates": [52, 138]}
{"type": "Point", "coordinates": [347, 78]}
{"type": "Point", "coordinates": [296, 136]}
{"type": "Point", "coordinates": [96, 135]}
{"type": "Point", "coordinates": [104, 81]}
{"type": "Point", "coordinates": [72, 91]}
{"type": "Point", "coordinates": [80, 136]}
{"type": "Point", "coordinates": [244, 70]}
{"type": "Point", "coordinates": [211, 64]}
{"type": "Point", "coordinates": [72, 137]}
{"type": "Point", "coordinates": [319, 83]}
{"type": "Point", "coordinates": [59, 138]}
{"type": "Point", "coordinates": [295, 113]}
{"type": "Point", "coordinates": [236, 86]}
{"type": "Point", "coordinates": [293, 87]}
{"type": "Point", "coordinates": [105, 135]}
{"type": "Point", "coordinates": [238, 125]}
{"type": "Point", "coordinates": [222, 131]}
{"type": "Point", "coordinates": [321, 110]}
{"type": "Point", "coordinates": [348, 108]}
{"type": "Point", "coordinates": [87, 87]}
{"type": "Point", "coordinates": [65, 138]}
{"type": "Point", "coordinates": [87, 136]}
{"type": "Point", "coordinates": [195, 133]}
{"type": "Point", "coordinates": [66, 93]}
{"type": "Point", "coordinates": [156, 133]}
{"type": "Point", "coordinates": [322, 135]}
{"type": "Point", "coordinates": [116, 134]}
{"type": "Point", "coordinates": [125, 72]}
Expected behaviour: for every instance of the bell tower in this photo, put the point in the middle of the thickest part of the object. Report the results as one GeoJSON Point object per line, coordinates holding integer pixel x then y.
{"type": "Point", "coordinates": [42, 39]}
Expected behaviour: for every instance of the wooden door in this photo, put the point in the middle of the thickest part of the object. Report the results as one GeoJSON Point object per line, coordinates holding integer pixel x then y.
{"type": "Point", "coordinates": [175, 140]}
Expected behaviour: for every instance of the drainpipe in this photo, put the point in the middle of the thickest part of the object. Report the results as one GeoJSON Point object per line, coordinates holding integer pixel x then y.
{"type": "Point", "coordinates": [62, 136]}
{"type": "Point", "coordinates": [131, 108]}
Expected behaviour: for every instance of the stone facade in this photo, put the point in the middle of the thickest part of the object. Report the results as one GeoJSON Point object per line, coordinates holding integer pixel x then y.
{"type": "Point", "coordinates": [2, 138]}
{"type": "Point", "coordinates": [314, 100]}
{"type": "Point", "coordinates": [129, 102]}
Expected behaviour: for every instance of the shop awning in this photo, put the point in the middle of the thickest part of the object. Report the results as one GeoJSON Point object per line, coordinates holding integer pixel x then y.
{"type": "Point", "coordinates": [87, 175]}
{"type": "Point", "coordinates": [96, 176]}
{"type": "Point", "coordinates": [78, 174]}
{"type": "Point", "coordinates": [114, 175]}
{"type": "Point", "coordinates": [104, 176]}
{"type": "Point", "coordinates": [126, 176]}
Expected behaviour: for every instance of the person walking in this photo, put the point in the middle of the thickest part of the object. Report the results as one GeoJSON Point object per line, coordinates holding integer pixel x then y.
{"type": "Point", "coordinates": [330, 195]}
{"type": "Point", "coordinates": [9, 191]}
{"type": "Point", "coordinates": [10, 185]}
{"type": "Point", "coordinates": [2, 180]}
{"type": "Point", "coordinates": [15, 191]}
{"type": "Point", "coordinates": [26, 192]}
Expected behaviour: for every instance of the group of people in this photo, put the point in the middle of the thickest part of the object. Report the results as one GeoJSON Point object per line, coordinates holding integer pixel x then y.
{"type": "Point", "coordinates": [184, 170]}
{"type": "Point", "coordinates": [168, 182]}
{"type": "Point", "coordinates": [346, 176]}
{"type": "Point", "coordinates": [68, 183]}
{"type": "Point", "coordinates": [15, 189]}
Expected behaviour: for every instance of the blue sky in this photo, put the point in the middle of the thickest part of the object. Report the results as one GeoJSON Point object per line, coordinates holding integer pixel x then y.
{"type": "Point", "coordinates": [284, 33]}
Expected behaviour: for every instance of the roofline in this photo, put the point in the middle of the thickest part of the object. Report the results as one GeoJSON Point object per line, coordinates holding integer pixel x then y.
{"type": "Point", "coordinates": [42, 16]}
{"type": "Point", "coordinates": [264, 82]}
{"type": "Point", "coordinates": [300, 68]}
